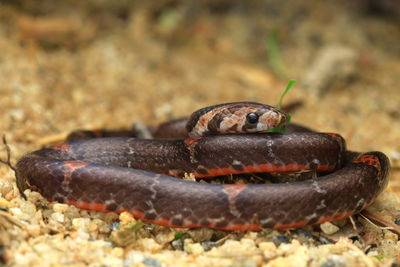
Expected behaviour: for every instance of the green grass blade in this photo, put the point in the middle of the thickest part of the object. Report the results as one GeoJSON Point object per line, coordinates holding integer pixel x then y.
{"type": "Point", "coordinates": [288, 87]}
{"type": "Point", "coordinates": [282, 128]}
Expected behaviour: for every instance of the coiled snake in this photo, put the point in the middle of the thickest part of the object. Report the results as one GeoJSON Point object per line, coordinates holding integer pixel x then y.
{"type": "Point", "coordinates": [130, 174]}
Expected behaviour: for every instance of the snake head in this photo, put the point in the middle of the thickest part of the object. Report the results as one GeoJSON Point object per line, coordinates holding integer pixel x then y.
{"type": "Point", "coordinates": [232, 118]}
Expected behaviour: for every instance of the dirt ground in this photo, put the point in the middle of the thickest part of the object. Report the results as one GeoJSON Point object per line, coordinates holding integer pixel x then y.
{"type": "Point", "coordinates": [70, 64]}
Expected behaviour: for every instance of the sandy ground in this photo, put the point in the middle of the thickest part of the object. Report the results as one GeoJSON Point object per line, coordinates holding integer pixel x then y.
{"type": "Point", "coordinates": [100, 65]}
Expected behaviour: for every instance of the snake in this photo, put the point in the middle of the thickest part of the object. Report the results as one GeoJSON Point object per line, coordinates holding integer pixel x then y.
{"type": "Point", "coordinates": [141, 176]}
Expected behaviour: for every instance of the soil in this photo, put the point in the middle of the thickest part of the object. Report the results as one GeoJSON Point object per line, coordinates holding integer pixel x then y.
{"type": "Point", "coordinates": [70, 65]}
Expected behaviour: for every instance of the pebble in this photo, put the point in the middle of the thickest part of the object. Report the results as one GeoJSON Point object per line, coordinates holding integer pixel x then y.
{"type": "Point", "coordinates": [59, 207]}
{"type": "Point", "coordinates": [151, 262]}
{"type": "Point", "coordinates": [133, 258]}
{"type": "Point", "coordinates": [279, 239]}
{"type": "Point", "coordinates": [33, 196]}
{"type": "Point", "coordinates": [177, 244]}
{"type": "Point", "coordinates": [193, 248]}
{"type": "Point", "coordinates": [303, 232]}
{"type": "Point", "coordinates": [268, 249]}
{"type": "Point", "coordinates": [207, 245]}
{"type": "Point", "coordinates": [28, 210]}
{"type": "Point", "coordinates": [329, 228]}
{"type": "Point", "coordinates": [200, 234]}
{"type": "Point", "coordinates": [102, 227]}
{"type": "Point", "coordinates": [126, 217]}
{"type": "Point", "coordinates": [5, 188]}
{"type": "Point", "coordinates": [267, 246]}
{"type": "Point", "coordinates": [289, 248]}
{"type": "Point", "coordinates": [114, 226]}
{"type": "Point", "coordinates": [58, 217]}
{"type": "Point", "coordinates": [323, 240]}
{"type": "Point", "coordinates": [93, 226]}
{"type": "Point", "coordinates": [16, 212]}
{"type": "Point", "coordinates": [117, 251]}
{"type": "Point", "coordinates": [80, 223]}
{"type": "Point", "coordinates": [11, 195]}
{"type": "Point", "coordinates": [33, 229]}
{"type": "Point", "coordinates": [148, 244]}
{"type": "Point", "coordinates": [334, 261]}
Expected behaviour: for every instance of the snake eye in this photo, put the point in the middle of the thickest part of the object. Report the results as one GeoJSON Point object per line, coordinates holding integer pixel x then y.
{"type": "Point", "coordinates": [252, 118]}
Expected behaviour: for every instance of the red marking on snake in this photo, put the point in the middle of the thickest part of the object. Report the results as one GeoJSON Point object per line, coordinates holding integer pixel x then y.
{"type": "Point", "coordinates": [369, 160]}
{"type": "Point", "coordinates": [139, 215]}
{"type": "Point", "coordinates": [73, 165]}
{"type": "Point", "coordinates": [261, 168]}
{"type": "Point", "coordinates": [89, 206]}
{"type": "Point", "coordinates": [232, 190]}
{"type": "Point", "coordinates": [335, 217]}
{"type": "Point", "coordinates": [61, 147]}
{"type": "Point", "coordinates": [290, 225]}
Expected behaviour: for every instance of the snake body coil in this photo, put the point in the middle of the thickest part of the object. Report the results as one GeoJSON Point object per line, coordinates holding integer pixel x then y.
{"type": "Point", "coordinates": [129, 174]}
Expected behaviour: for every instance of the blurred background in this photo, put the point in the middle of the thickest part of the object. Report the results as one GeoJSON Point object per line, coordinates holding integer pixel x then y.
{"type": "Point", "coordinates": [67, 65]}
{"type": "Point", "coordinates": [91, 64]}
{"type": "Point", "coordinates": [88, 64]}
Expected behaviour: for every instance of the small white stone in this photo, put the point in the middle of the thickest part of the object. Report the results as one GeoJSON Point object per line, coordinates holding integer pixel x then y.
{"type": "Point", "coordinates": [329, 228]}
{"type": "Point", "coordinates": [58, 217]}
{"type": "Point", "coordinates": [16, 212]}
{"type": "Point", "coordinates": [193, 248]}
{"type": "Point", "coordinates": [28, 209]}
{"type": "Point", "coordinates": [61, 208]}
{"type": "Point", "coordinates": [80, 223]}
{"type": "Point", "coordinates": [33, 229]}
{"type": "Point", "coordinates": [133, 258]}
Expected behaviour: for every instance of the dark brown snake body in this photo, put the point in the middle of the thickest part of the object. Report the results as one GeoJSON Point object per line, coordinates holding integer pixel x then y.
{"type": "Point", "coordinates": [103, 174]}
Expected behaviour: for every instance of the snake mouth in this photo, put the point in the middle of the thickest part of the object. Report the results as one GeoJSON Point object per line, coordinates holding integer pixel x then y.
{"type": "Point", "coordinates": [284, 118]}
{"type": "Point", "coordinates": [272, 119]}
